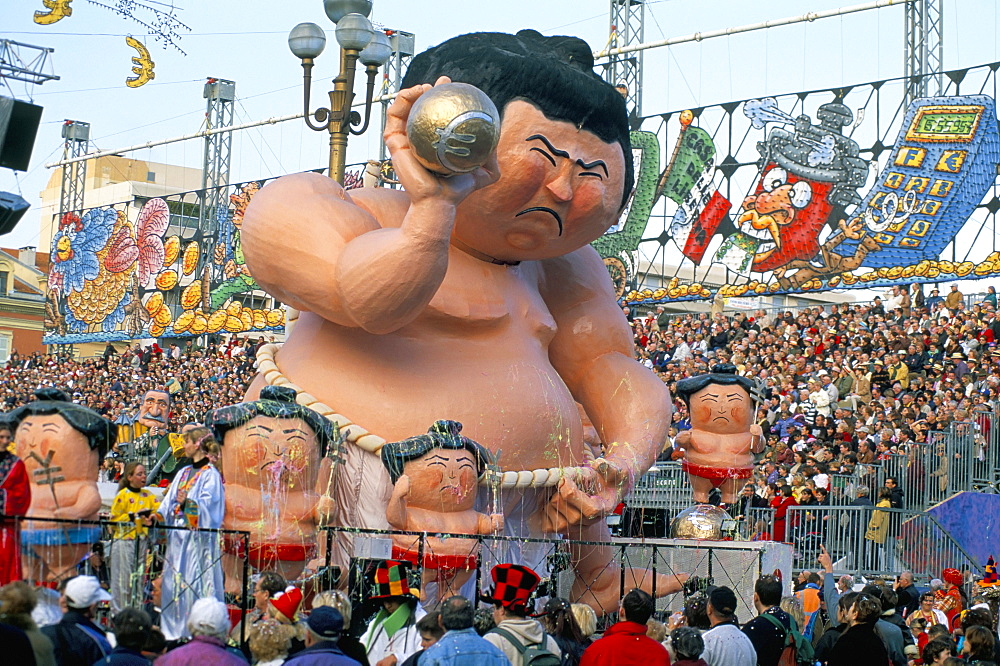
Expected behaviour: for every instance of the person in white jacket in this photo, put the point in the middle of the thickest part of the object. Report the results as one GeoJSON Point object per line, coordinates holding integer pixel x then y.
{"type": "Point", "coordinates": [392, 636]}
{"type": "Point", "coordinates": [819, 398]}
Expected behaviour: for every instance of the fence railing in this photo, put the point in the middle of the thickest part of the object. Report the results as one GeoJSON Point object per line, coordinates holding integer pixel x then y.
{"type": "Point", "coordinates": [665, 486]}
{"type": "Point", "coordinates": [872, 541]}
{"type": "Point", "coordinates": [964, 456]}
{"type": "Point", "coordinates": [54, 550]}
{"type": "Point", "coordinates": [735, 564]}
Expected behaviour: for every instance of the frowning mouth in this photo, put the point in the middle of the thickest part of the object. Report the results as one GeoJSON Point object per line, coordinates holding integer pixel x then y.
{"type": "Point", "coordinates": [547, 210]}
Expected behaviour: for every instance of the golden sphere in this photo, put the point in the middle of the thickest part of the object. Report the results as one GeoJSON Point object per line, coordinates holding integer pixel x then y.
{"type": "Point", "coordinates": [701, 521]}
{"type": "Point", "coordinates": [453, 128]}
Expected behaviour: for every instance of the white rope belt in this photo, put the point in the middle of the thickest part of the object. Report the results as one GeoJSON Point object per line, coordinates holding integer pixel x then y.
{"type": "Point", "coordinates": [354, 434]}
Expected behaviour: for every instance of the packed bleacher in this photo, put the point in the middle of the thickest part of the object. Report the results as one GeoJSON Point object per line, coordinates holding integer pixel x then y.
{"type": "Point", "coordinates": [198, 378]}
{"type": "Point", "coordinates": [876, 377]}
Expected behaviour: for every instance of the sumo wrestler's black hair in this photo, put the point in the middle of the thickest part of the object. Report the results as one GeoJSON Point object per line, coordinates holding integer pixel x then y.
{"type": "Point", "coordinates": [101, 433]}
{"type": "Point", "coordinates": [441, 435]}
{"type": "Point", "coordinates": [722, 374]}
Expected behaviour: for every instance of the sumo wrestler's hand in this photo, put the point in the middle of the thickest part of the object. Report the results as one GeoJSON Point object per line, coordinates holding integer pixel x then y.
{"type": "Point", "coordinates": [588, 497]}
{"type": "Point", "coordinates": [422, 185]}
{"type": "Point", "coordinates": [325, 507]}
{"type": "Point", "coordinates": [402, 488]}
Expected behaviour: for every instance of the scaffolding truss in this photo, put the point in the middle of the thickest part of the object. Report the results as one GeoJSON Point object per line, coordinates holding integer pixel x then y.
{"type": "Point", "coordinates": [221, 96]}
{"type": "Point", "coordinates": [627, 18]}
{"type": "Point", "coordinates": [924, 49]}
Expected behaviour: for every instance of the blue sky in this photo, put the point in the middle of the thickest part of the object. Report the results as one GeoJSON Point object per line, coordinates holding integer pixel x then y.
{"type": "Point", "coordinates": [246, 42]}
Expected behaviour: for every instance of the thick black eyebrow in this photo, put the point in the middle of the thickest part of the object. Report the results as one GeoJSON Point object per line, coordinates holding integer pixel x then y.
{"type": "Point", "coordinates": [590, 165]}
{"type": "Point", "coordinates": [262, 427]}
{"type": "Point", "coordinates": [548, 144]}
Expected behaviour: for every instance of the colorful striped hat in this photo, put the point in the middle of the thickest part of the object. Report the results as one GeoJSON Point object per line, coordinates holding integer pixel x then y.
{"type": "Point", "coordinates": [390, 581]}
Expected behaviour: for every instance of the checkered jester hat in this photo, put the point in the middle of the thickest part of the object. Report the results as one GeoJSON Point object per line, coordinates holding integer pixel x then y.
{"type": "Point", "coordinates": [512, 586]}
{"type": "Point", "coordinates": [390, 581]}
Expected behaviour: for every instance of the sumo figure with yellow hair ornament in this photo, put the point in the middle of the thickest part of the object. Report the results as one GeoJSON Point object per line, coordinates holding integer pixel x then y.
{"type": "Point", "coordinates": [279, 459]}
{"type": "Point", "coordinates": [61, 444]}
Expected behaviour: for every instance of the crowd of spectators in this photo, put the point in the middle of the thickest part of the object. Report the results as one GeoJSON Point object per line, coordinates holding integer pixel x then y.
{"type": "Point", "coordinates": [198, 378]}
{"type": "Point", "coordinates": [843, 385]}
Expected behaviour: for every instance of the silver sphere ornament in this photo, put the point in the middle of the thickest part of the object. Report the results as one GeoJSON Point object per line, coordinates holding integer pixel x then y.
{"type": "Point", "coordinates": [701, 521]}
{"type": "Point", "coordinates": [453, 128]}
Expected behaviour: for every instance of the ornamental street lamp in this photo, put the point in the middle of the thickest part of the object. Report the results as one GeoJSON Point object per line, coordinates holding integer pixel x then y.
{"type": "Point", "coordinates": [358, 42]}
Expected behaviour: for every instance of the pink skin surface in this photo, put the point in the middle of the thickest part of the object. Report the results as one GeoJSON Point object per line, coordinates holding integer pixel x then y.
{"type": "Point", "coordinates": [76, 496]}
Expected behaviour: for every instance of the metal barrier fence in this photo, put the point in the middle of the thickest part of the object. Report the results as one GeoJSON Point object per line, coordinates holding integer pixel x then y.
{"type": "Point", "coordinates": [665, 486]}
{"type": "Point", "coordinates": [54, 550]}
{"type": "Point", "coordinates": [965, 456]}
{"type": "Point", "coordinates": [872, 541]}
{"type": "Point", "coordinates": [736, 564]}
{"type": "Point", "coordinates": [758, 524]}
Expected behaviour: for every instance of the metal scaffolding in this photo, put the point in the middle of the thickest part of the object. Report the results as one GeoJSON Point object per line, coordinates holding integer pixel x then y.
{"type": "Point", "coordinates": [25, 62]}
{"type": "Point", "coordinates": [220, 94]}
{"type": "Point", "coordinates": [403, 47]}
{"type": "Point", "coordinates": [627, 18]}
{"type": "Point", "coordinates": [76, 140]}
{"type": "Point", "coordinates": [924, 48]}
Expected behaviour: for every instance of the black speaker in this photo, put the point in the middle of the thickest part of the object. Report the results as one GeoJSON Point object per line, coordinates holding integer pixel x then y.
{"type": "Point", "coordinates": [12, 207]}
{"type": "Point", "coordinates": [18, 127]}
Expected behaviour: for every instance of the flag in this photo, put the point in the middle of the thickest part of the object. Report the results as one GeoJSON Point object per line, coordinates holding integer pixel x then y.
{"type": "Point", "coordinates": [699, 215]}
{"type": "Point", "coordinates": [693, 156]}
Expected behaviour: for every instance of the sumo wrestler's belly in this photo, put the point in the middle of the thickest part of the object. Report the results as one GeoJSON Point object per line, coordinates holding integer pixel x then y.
{"type": "Point", "coordinates": [502, 389]}
{"type": "Point", "coordinates": [285, 518]}
{"type": "Point", "coordinates": [712, 450]}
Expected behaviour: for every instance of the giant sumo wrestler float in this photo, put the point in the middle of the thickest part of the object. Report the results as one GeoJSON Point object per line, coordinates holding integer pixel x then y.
{"type": "Point", "coordinates": [61, 445]}
{"type": "Point", "coordinates": [477, 298]}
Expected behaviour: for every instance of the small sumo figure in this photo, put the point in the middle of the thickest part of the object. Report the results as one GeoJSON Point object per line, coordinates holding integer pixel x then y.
{"type": "Point", "coordinates": [719, 446]}
{"type": "Point", "coordinates": [436, 480]}
{"type": "Point", "coordinates": [278, 459]}
{"type": "Point", "coordinates": [61, 445]}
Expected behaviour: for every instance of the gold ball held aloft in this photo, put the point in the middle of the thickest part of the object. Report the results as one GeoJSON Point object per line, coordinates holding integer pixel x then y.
{"type": "Point", "coordinates": [453, 128]}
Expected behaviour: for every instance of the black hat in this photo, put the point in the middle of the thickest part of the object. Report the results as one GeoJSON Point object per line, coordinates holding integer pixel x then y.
{"type": "Point", "coordinates": [723, 600]}
{"type": "Point", "coordinates": [326, 622]}
{"type": "Point", "coordinates": [512, 586]}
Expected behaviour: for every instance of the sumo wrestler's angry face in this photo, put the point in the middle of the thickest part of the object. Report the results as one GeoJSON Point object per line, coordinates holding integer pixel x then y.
{"type": "Point", "coordinates": [267, 448]}
{"type": "Point", "coordinates": [726, 410]}
{"type": "Point", "coordinates": [49, 440]}
{"type": "Point", "coordinates": [559, 189]}
{"type": "Point", "coordinates": [443, 480]}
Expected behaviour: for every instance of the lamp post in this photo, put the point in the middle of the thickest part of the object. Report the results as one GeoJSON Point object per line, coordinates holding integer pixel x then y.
{"type": "Point", "coordinates": [358, 42]}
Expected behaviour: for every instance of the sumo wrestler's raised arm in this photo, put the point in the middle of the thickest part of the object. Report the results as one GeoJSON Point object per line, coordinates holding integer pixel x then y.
{"type": "Point", "coordinates": [594, 354]}
{"type": "Point", "coordinates": [372, 258]}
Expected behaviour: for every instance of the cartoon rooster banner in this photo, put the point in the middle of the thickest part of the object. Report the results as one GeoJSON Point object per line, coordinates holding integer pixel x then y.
{"type": "Point", "coordinates": [854, 187]}
{"type": "Point", "coordinates": [117, 274]}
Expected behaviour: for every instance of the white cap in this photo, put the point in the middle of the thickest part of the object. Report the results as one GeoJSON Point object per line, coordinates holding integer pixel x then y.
{"type": "Point", "coordinates": [209, 617]}
{"type": "Point", "coordinates": [84, 592]}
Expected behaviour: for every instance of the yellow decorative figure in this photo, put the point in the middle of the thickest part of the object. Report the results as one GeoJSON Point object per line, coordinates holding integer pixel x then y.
{"type": "Point", "coordinates": [144, 71]}
{"type": "Point", "coordinates": [58, 10]}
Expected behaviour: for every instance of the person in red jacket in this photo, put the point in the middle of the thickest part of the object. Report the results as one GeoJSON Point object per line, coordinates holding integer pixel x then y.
{"type": "Point", "coordinates": [626, 643]}
{"type": "Point", "coordinates": [15, 497]}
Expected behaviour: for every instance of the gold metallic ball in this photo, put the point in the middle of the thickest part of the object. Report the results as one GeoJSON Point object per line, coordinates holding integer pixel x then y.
{"type": "Point", "coordinates": [701, 521]}
{"type": "Point", "coordinates": [453, 128]}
